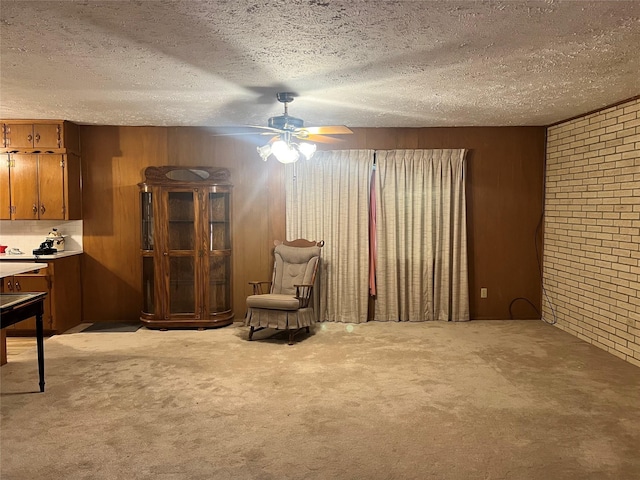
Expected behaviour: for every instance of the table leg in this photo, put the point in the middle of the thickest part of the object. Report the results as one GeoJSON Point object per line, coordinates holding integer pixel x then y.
{"type": "Point", "coordinates": [3, 347]}
{"type": "Point", "coordinates": [40, 341]}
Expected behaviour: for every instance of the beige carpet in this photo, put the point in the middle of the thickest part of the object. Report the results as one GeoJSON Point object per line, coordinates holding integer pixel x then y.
{"type": "Point", "coordinates": [478, 400]}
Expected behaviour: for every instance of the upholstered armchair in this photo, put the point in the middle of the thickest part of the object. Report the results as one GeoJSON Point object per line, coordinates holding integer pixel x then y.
{"type": "Point", "coordinates": [288, 303]}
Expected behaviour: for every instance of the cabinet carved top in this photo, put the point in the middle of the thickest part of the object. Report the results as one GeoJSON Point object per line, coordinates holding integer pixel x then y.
{"type": "Point", "coordinates": [184, 175]}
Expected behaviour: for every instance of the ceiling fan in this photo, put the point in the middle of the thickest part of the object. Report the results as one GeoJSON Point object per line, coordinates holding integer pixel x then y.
{"type": "Point", "coordinates": [295, 126]}
{"type": "Point", "coordinates": [290, 137]}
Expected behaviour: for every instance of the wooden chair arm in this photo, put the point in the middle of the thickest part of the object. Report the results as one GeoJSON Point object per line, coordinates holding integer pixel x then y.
{"type": "Point", "coordinates": [257, 286]}
{"type": "Point", "coordinates": [303, 294]}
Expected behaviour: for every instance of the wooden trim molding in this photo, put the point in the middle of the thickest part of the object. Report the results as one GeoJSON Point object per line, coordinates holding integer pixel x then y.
{"type": "Point", "coordinates": [594, 111]}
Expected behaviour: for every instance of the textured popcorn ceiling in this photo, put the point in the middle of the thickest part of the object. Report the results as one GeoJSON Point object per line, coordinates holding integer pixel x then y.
{"type": "Point", "coordinates": [368, 63]}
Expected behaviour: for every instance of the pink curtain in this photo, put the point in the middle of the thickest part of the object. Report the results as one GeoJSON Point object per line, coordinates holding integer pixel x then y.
{"type": "Point", "coordinates": [372, 234]}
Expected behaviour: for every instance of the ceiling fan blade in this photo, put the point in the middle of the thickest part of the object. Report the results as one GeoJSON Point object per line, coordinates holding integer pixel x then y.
{"type": "Point", "coordinates": [328, 130]}
{"type": "Point", "coordinates": [244, 130]}
{"type": "Point", "coordinates": [320, 139]}
{"type": "Point", "coordinates": [241, 134]}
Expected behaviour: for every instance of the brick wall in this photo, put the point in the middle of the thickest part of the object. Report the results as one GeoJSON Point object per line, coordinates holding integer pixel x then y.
{"type": "Point", "coordinates": [591, 261]}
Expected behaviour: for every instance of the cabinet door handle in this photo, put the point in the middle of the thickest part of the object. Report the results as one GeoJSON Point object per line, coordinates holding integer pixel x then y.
{"type": "Point", "coordinates": [37, 137]}
{"type": "Point", "coordinates": [42, 209]}
{"type": "Point", "coordinates": [29, 138]}
{"type": "Point", "coordinates": [35, 209]}
{"type": "Point", "coordinates": [18, 287]}
{"type": "Point", "coordinates": [9, 286]}
{"type": "Point", "coordinates": [165, 254]}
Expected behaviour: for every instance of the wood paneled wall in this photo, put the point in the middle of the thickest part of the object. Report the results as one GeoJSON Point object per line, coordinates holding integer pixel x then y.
{"type": "Point", "coordinates": [504, 202]}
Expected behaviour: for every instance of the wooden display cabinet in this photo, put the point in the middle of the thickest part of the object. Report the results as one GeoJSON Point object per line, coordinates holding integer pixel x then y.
{"type": "Point", "coordinates": [186, 247]}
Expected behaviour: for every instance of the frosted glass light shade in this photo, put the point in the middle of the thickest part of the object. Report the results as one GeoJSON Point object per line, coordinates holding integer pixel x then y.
{"type": "Point", "coordinates": [283, 152]}
{"type": "Point", "coordinates": [264, 151]}
{"type": "Point", "coordinates": [307, 149]}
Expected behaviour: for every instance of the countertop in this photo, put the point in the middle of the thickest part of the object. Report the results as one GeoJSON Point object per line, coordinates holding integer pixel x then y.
{"type": "Point", "coordinates": [30, 256]}
{"type": "Point", "coordinates": [13, 268]}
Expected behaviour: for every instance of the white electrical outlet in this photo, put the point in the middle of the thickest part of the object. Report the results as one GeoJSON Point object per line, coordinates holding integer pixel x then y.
{"type": "Point", "coordinates": [483, 293]}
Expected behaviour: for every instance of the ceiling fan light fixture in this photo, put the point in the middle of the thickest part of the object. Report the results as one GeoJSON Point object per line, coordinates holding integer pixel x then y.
{"type": "Point", "coordinates": [284, 152]}
{"type": "Point", "coordinates": [292, 139]}
{"type": "Point", "coordinates": [307, 149]}
{"type": "Point", "coordinates": [287, 151]}
{"type": "Point", "coordinates": [264, 151]}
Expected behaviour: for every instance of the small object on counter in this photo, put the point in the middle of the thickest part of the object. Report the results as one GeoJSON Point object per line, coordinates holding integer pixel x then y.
{"type": "Point", "coordinates": [3, 248]}
{"type": "Point", "coordinates": [46, 248]}
{"type": "Point", "coordinates": [57, 238]}
{"type": "Point", "coordinates": [15, 251]}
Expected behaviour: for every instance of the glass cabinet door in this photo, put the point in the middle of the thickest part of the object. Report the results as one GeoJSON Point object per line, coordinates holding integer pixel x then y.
{"type": "Point", "coordinates": [219, 284]}
{"type": "Point", "coordinates": [219, 288]}
{"type": "Point", "coordinates": [148, 285]}
{"type": "Point", "coordinates": [181, 250]}
{"type": "Point", "coordinates": [147, 220]}
{"type": "Point", "coordinates": [182, 292]}
{"type": "Point", "coordinates": [148, 271]}
{"type": "Point", "coordinates": [182, 232]}
{"type": "Point", "coordinates": [219, 234]}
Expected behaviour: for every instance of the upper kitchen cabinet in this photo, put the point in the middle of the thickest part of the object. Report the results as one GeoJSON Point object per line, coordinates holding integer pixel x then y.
{"type": "Point", "coordinates": [40, 136]}
{"type": "Point", "coordinates": [42, 187]}
{"type": "Point", "coordinates": [5, 191]}
{"type": "Point", "coordinates": [40, 175]}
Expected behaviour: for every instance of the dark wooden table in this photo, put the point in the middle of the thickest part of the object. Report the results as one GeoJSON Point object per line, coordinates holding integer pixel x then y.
{"type": "Point", "coordinates": [16, 307]}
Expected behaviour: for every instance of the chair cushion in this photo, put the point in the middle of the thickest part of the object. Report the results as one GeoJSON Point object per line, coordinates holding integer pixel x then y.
{"type": "Point", "coordinates": [293, 266]}
{"type": "Point", "coordinates": [273, 301]}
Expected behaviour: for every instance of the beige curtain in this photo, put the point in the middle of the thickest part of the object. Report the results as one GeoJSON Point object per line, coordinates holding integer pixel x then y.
{"type": "Point", "coordinates": [327, 198]}
{"type": "Point", "coordinates": [421, 236]}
